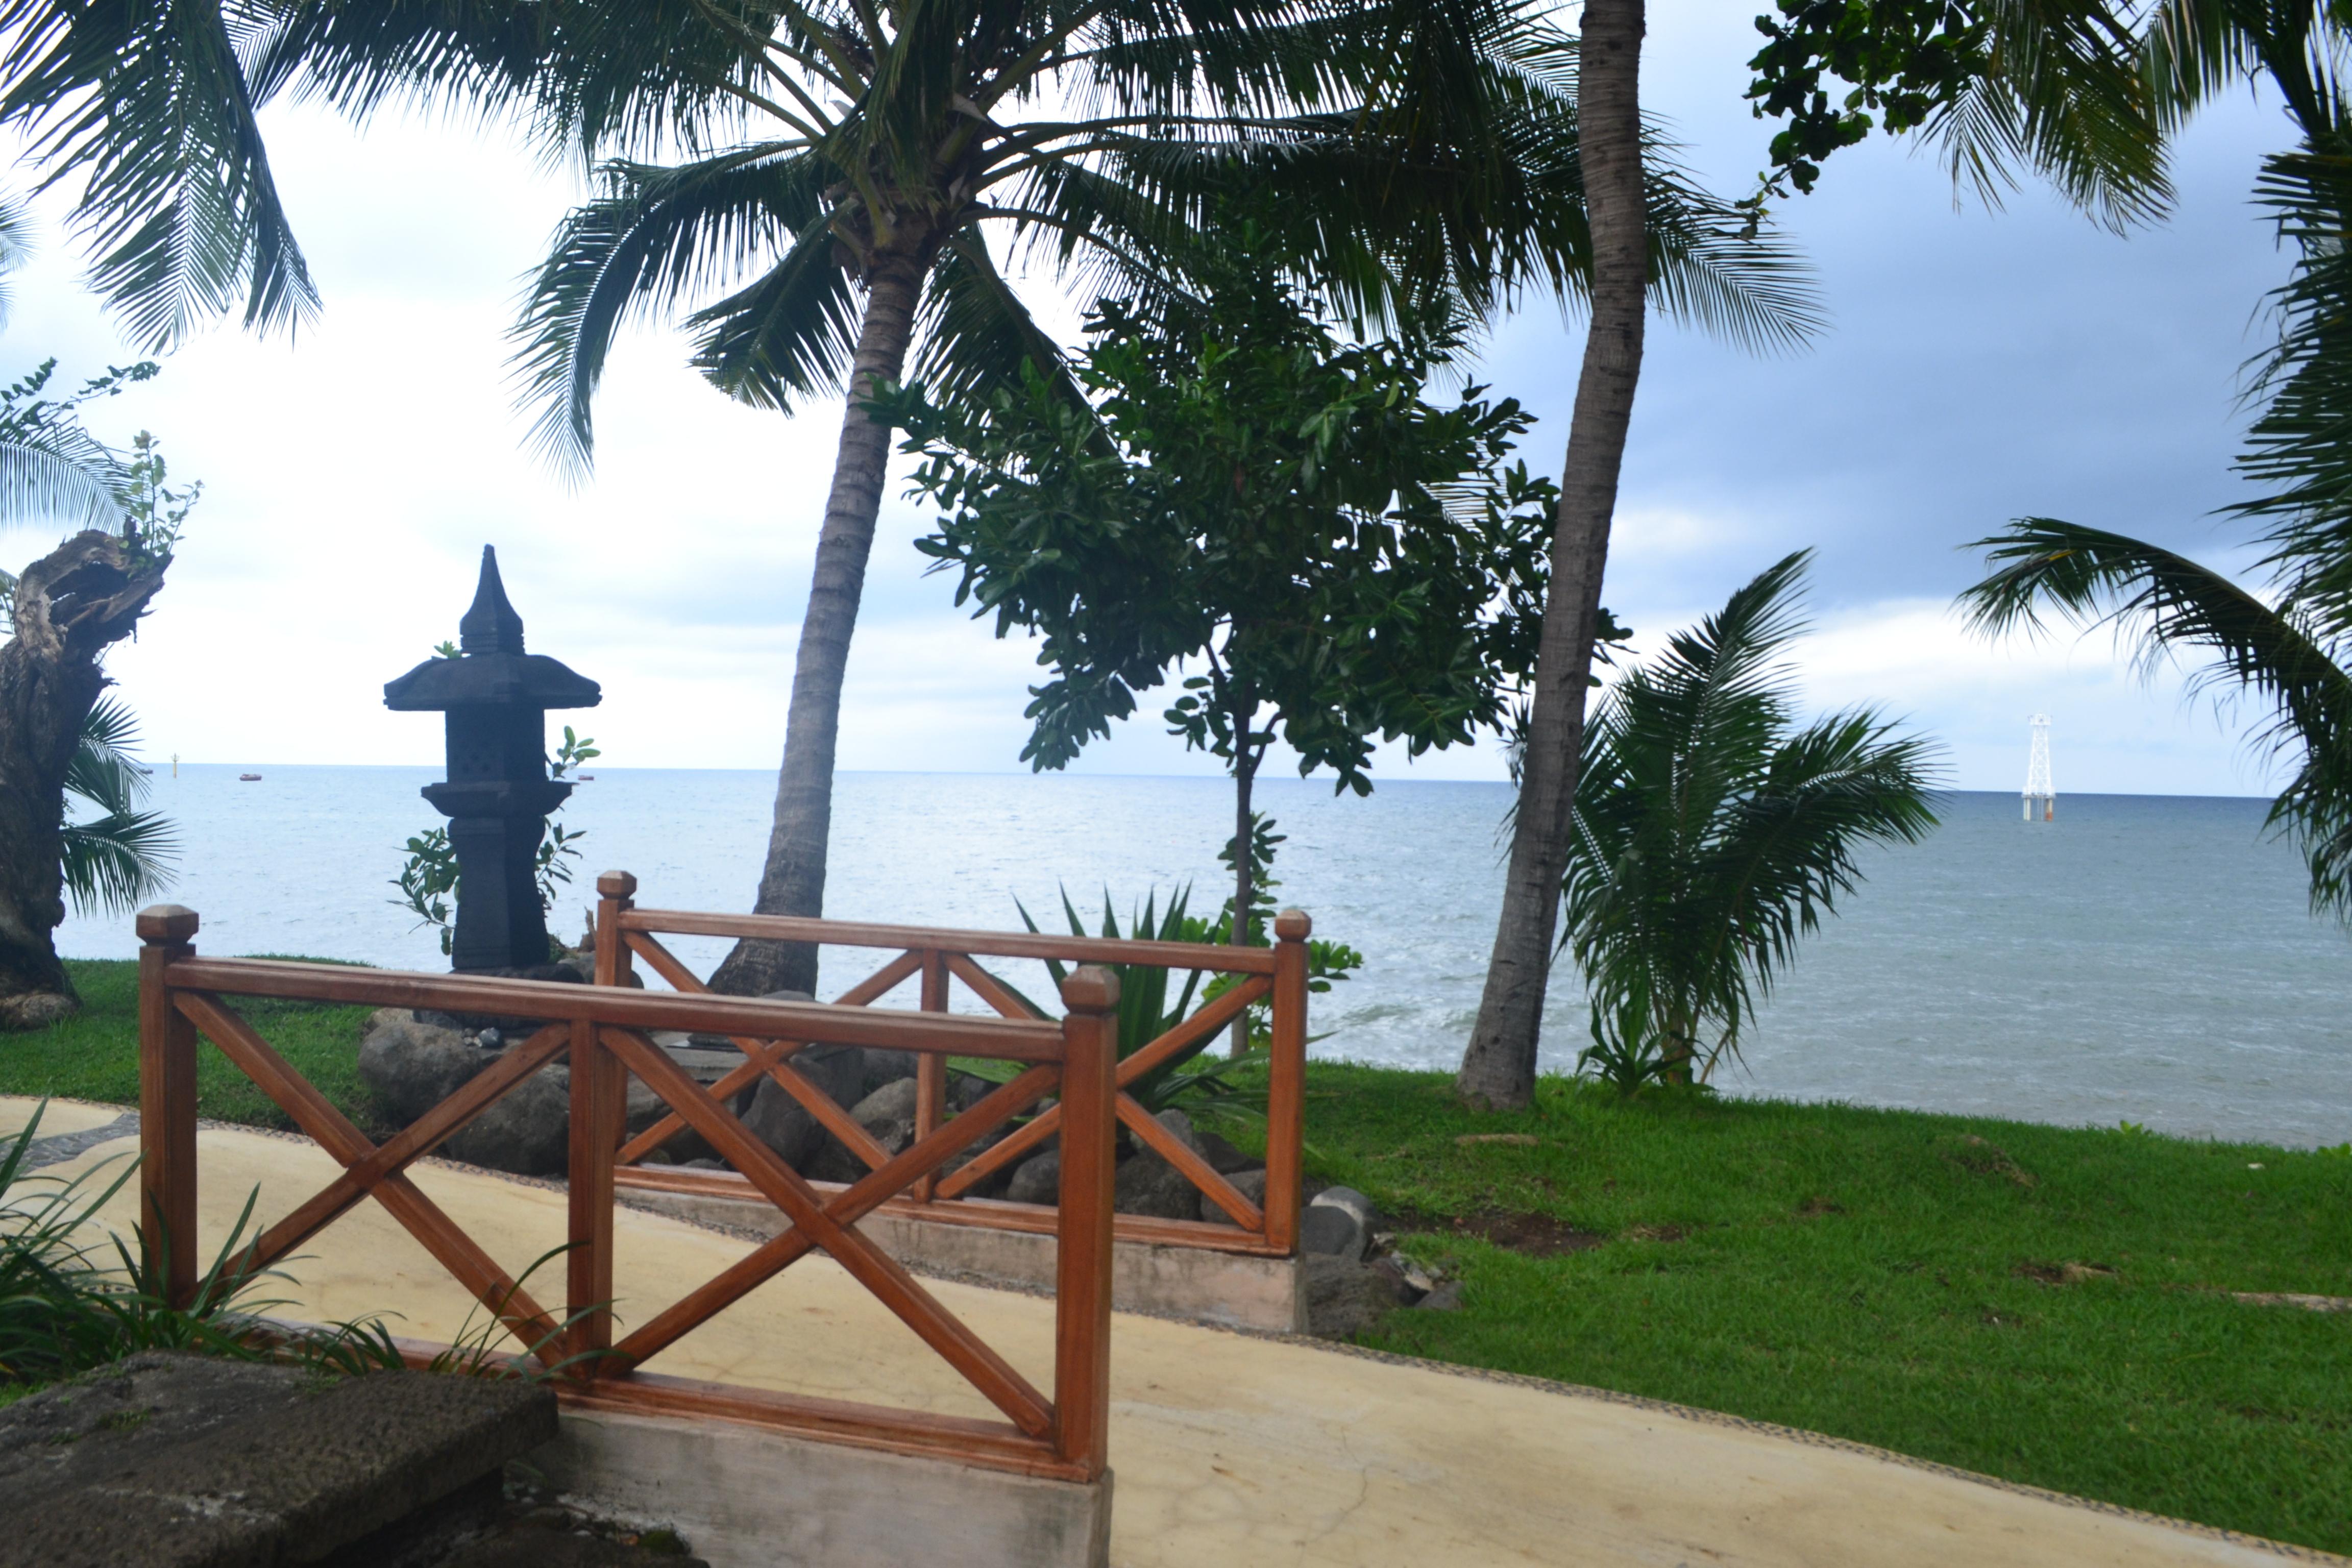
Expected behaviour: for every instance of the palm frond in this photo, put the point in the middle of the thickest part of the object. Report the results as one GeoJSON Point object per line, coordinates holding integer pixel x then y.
{"type": "Point", "coordinates": [1710, 834]}
{"type": "Point", "coordinates": [651, 236]}
{"type": "Point", "coordinates": [144, 109]}
{"type": "Point", "coordinates": [2166, 604]}
{"type": "Point", "coordinates": [976, 334]}
{"type": "Point", "coordinates": [2064, 96]}
{"type": "Point", "coordinates": [115, 863]}
{"type": "Point", "coordinates": [40, 486]}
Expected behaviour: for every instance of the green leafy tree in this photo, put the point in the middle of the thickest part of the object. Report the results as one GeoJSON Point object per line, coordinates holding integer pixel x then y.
{"type": "Point", "coordinates": [1712, 833]}
{"type": "Point", "coordinates": [1339, 559]}
{"type": "Point", "coordinates": [840, 168]}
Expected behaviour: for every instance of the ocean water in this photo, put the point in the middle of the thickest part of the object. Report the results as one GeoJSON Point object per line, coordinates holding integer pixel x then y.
{"type": "Point", "coordinates": [2141, 958]}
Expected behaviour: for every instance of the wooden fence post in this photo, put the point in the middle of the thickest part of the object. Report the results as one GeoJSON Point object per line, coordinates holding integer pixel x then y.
{"type": "Point", "coordinates": [1082, 1283]}
{"type": "Point", "coordinates": [616, 891]}
{"type": "Point", "coordinates": [600, 1089]}
{"type": "Point", "coordinates": [167, 1109]}
{"type": "Point", "coordinates": [1286, 1093]}
{"type": "Point", "coordinates": [931, 1070]}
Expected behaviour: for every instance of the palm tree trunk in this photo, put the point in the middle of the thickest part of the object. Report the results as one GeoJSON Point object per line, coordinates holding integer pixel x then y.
{"type": "Point", "coordinates": [1499, 1069]}
{"type": "Point", "coordinates": [71, 606]}
{"type": "Point", "coordinates": [1244, 778]}
{"type": "Point", "coordinates": [793, 880]}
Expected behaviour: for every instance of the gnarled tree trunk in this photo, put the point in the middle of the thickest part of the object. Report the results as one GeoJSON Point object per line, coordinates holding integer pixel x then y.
{"type": "Point", "coordinates": [71, 606]}
{"type": "Point", "coordinates": [1499, 1069]}
{"type": "Point", "coordinates": [793, 880]}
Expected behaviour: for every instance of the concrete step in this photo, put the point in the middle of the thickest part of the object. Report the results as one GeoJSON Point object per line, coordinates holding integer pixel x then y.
{"type": "Point", "coordinates": [169, 1460]}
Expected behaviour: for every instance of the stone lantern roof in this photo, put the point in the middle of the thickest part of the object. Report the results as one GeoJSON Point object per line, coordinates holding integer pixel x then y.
{"type": "Point", "coordinates": [491, 669]}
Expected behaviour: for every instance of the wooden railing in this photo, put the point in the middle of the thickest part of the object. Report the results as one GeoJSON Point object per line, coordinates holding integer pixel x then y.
{"type": "Point", "coordinates": [603, 1031]}
{"type": "Point", "coordinates": [1277, 974]}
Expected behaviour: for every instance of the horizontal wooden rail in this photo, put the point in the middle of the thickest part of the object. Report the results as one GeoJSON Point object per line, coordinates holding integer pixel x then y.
{"type": "Point", "coordinates": [944, 1033]}
{"type": "Point", "coordinates": [1275, 976]}
{"type": "Point", "coordinates": [983, 943]}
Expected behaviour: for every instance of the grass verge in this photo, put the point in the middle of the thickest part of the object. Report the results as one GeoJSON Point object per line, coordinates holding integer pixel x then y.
{"type": "Point", "coordinates": [94, 1054]}
{"type": "Point", "coordinates": [2054, 1306]}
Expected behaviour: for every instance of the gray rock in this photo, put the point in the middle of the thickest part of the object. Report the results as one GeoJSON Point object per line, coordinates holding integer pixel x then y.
{"type": "Point", "coordinates": [1327, 1231]}
{"type": "Point", "coordinates": [411, 1066]}
{"type": "Point", "coordinates": [1148, 1184]}
{"type": "Point", "coordinates": [888, 1114]}
{"type": "Point", "coordinates": [892, 1102]}
{"type": "Point", "coordinates": [1037, 1179]}
{"type": "Point", "coordinates": [1446, 1298]}
{"type": "Point", "coordinates": [783, 1124]}
{"type": "Point", "coordinates": [1251, 1186]}
{"type": "Point", "coordinates": [883, 1067]}
{"type": "Point", "coordinates": [528, 1130]}
{"type": "Point", "coordinates": [989, 1186]}
{"type": "Point", "coordinates": [1355, 1202]}
{"type": "Point", "coordinates": [36, 1010]}
{"type": "Point", "coordinates": [967, 1090]}
{"type": "Point", "coordinates": [1223, 1158]}
{"type": "Point", "coordinates": [1344, 1297]}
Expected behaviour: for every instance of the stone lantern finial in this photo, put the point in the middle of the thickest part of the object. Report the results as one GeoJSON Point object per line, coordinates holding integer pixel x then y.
{"type": "Point", "coordinates": [491, 625]}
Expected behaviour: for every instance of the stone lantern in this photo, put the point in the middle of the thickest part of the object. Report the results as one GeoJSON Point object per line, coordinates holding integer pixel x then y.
{"type": "Point", "coordinates": [498, 793]}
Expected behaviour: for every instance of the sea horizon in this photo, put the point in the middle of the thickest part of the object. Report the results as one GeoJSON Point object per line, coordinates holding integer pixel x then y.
{"type": "Point", "coordinates": [2146, 958]}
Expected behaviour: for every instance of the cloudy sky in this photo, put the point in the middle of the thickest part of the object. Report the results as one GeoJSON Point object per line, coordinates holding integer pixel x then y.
{"type": "Point", "coordinates": [1978, 366]}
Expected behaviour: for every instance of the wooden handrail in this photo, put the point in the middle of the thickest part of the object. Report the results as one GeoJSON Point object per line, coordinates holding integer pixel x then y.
{"type": "Point", "coordinates": [1278, 974]}
{"type": "Point", "coordinates": [603, 1031]}
{"type": "Point", "coordinates": [944, 1033]}
{"type": "Point", "coordinates": [1213, 957]}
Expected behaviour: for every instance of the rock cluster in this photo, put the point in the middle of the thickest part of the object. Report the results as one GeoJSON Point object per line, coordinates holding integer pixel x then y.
{"type": "Point", "coordinates": [1353, 1277]}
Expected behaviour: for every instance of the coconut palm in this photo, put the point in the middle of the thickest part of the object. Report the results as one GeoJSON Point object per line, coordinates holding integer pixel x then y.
{"type": "Point", "coordinates": [1712, 833]}
{"type": "Point", "coordinates": [2288, 649]}
{"type": "Point", "coordinates": [2041, 86]}
{"type": "Point", "coordinates": [841, 164]}
{"type": "Point", "coordinates": [1429, 148]}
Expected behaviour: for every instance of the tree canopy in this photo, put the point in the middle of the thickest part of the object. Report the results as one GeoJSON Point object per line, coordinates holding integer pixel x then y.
{"type": "Point", "coordinates": [1244, 495]}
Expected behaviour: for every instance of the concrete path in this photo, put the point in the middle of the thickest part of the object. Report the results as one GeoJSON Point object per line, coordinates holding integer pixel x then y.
{"type": "Point", "coordinates": [1234, 1449]}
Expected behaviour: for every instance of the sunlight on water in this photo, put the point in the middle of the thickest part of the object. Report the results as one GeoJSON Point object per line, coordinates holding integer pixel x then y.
{"type": "Point", "coordinates": [2142, 957]}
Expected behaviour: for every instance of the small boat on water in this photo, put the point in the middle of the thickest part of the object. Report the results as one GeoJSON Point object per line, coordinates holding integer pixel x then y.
{"type": "Point", "coordinates": [248, 778]}
{"type": "Point", "coordinates": [587, 778]}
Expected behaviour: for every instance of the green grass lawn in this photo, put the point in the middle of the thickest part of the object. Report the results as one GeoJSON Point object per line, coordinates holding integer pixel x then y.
{"type": "Point", "coordinates": [2051, 1305]}
{"type": "Point", "coordinates": [95, 1054]}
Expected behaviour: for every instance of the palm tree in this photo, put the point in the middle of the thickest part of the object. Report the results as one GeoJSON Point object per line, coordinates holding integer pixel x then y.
{"type": "Point", "coordinates": [2045, 88]}
{"type": "Point", "coordinates": [1430, 149]}
{"type": "Point", "coordinates": [2288, 649]}
{"type": "Point", "coordinates": [1711, 833]}
{"type": "Point", "coordinates": [843, 164]}
{"type": "Point", "coordinates": [59, 739]}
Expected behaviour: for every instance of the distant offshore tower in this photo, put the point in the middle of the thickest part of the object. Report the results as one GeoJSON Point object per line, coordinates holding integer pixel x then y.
{"type": "Point", "coordinates": [2039, 791]}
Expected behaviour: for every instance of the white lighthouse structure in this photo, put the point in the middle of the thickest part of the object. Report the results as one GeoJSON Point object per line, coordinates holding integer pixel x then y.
{"type": "Point", "coordinates": [2041, 795]}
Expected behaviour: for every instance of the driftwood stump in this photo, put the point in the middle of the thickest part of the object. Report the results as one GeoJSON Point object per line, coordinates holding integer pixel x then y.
{"type": "Point", "coordinates": [71, 606]}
